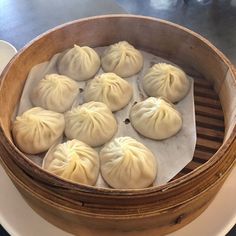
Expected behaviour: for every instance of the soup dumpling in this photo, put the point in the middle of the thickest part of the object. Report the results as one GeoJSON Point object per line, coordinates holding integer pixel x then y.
{"type": "Point", "coordinates": [55, 92]}
{"type": "Point", "coordinates": [110, 89]}
{"type": "Point", "coordinates": [167, 81]}
{"type": "Point", "coordinates": [92, 123]}
{"type": "Point", "coordinates": [73, 160]}
{"type": "Point", "coordinates": [155, 118]}
{"type": "Point", "coordinates": [79, 63]}
{"type": "Point", "coordinates": [37, 129]}
{"type": "Point", "coordinates": [127, 164]}
{"type": "Point", "coordinates": [122, 59]}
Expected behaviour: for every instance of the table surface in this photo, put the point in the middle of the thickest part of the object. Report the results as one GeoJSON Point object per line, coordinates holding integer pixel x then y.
{"type": "Point", "coordinates": [213, 19]}
{"type": "Point", "coordinates": [23, 20]}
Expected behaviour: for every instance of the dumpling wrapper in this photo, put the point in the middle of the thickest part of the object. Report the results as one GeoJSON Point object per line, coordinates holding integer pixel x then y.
{"type": "Point", "coordinates": [155, 118]}
{"type": "Point", "coordinates": [122, 59]}
{"type": "Point", "coordinates": [165, 80]}
{"type": "Point", "coordinates": [110, 89]}
{"type": "Point", "coordinates": [127, 164]}
{"type": "Point", "coordinates": [92, 123]}
{"type": "Point", "coordinates": [74, 161]}
{"type": "Point", "coordinates": [79, 63]}
{"type": "Point", "coordinates": [37, 129]}
{"type": "Point", "coordinates": [55, 92]}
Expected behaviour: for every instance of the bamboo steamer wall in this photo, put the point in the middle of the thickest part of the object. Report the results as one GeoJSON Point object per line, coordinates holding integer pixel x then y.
{"type": "Point", "coordinates": [164, 208]}
{"type": "Point", "coordinates": [83, 222]}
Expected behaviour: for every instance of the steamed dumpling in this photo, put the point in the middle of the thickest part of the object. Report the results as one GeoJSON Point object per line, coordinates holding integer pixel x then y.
{"type": "Point", "coordinates": [37, 129]}
{"type": "Point", "coordinates": [79, 63]}
{"type": "Point", "coordinates": [110, 89]}
{"type": "Point", "coordinates": [92, 123]}
{"type": "Point", "coordinates": [128, 164]}
{"type": "Point", "coordinates": [73, 160]}
{"type": "Point", "coordinates": [55, 92]}
{"type": "Point", "coordinates": [122, 59]}
{"type": "Point", "coordinates": [155, 118]}
{"type": "Point", "coordinates": [167, 81]}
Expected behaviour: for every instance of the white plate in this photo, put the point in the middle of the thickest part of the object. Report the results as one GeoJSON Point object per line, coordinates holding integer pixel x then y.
{"type": "Point", "coordinates": [7, 51]}
{"type": "Point", "coordinates": [20, 220]}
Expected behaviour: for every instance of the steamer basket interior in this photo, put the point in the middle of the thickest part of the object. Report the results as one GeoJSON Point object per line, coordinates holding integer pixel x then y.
{"type": "Point", "coordinates": [214, 110]}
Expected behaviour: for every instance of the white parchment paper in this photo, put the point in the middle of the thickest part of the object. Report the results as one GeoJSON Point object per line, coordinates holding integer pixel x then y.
{"type": "Point", "coordinates": [172, 154]}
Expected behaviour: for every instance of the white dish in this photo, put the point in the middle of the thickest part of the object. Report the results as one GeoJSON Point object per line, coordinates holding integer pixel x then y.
{"type": "Point", "coordinates": [7, 51]}
{"type": "Point", "coordinates": [20, 220]}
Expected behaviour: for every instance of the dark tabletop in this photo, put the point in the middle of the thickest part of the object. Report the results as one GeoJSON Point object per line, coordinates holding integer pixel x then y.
{"type": "Point", "coordinates": [213, 19]}
{"type": "Point", "coordinates": [22, 20]}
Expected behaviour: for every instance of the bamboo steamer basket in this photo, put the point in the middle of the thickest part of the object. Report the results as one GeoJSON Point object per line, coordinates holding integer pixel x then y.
{"type": "Point", "coordinates": [82, 209]}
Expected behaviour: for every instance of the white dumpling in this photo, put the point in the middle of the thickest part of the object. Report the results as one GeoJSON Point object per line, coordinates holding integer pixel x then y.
{"type": "Point", "coordinates": [127, 164]}
{"type": "Point", "coordinates": [37, 129]}
{"type": "Point", "coordinates": [79, 63]}
{"type": "Point", "coordinates": [92, 123]}
{"type": "Point", "coordinates": [167, 81]}
{"type": "Point", "coordinates": [73, 160]}
{"type": "Point", "coordinates": [110, 89]}
{"type": "Point", "coordinates": [155, 118]}
{"type": "Point", "coordinates": [55, 92]}
{"type": "Point", "coordinates": [122, 59]}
